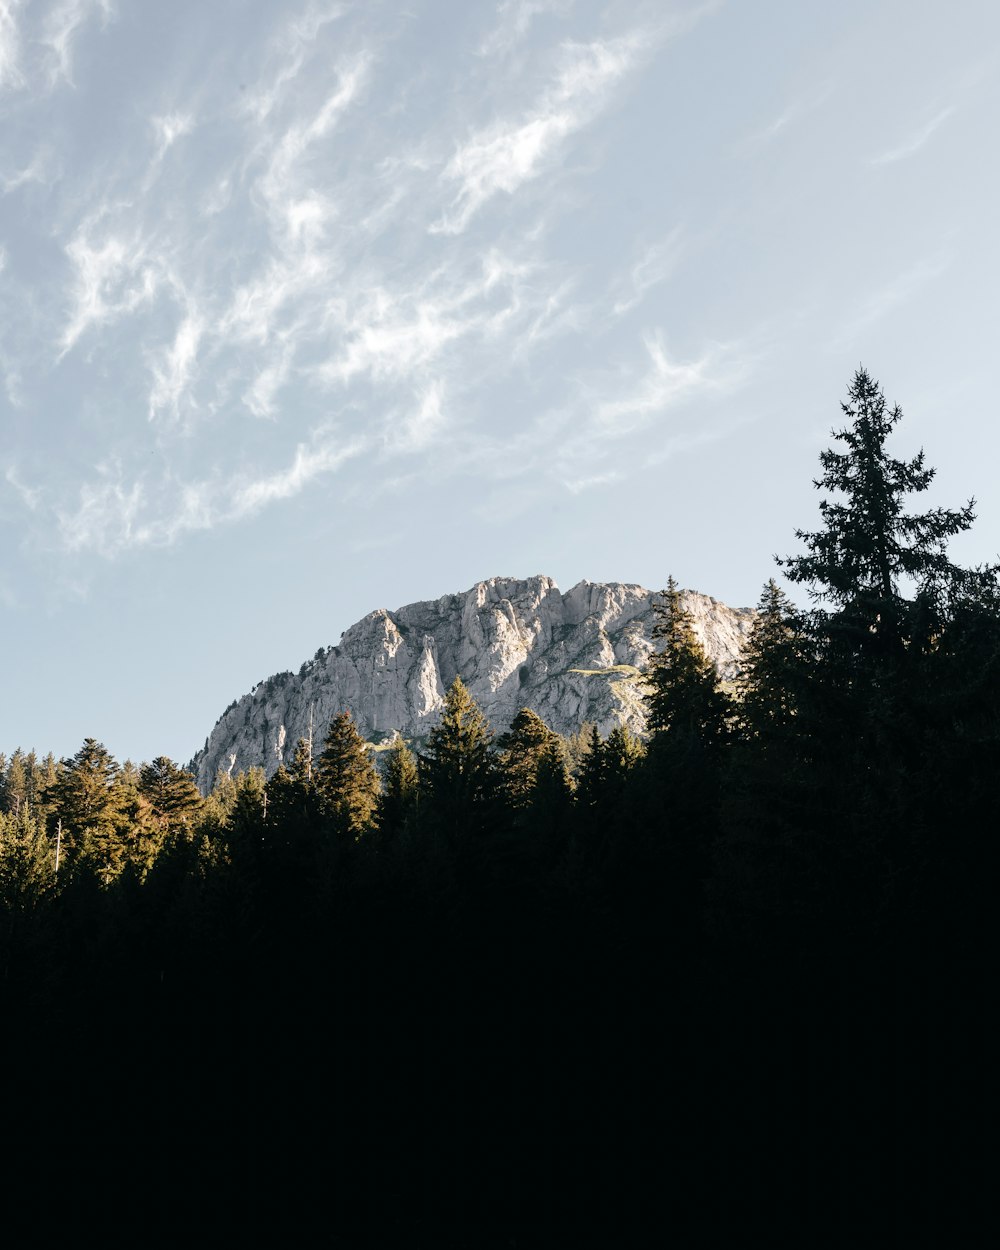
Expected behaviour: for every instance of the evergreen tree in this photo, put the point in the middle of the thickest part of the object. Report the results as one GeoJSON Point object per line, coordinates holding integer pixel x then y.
{"type": "Point", "coordinates": [172, 795]}
{"type": "Point", "coordinates": [347, 779]}
{"type": "Point", "coordinates": [457, 770]}
{"type": "Point", "coordinates": [685, 697]}
{"type": "Point", "coordinates": [295, 811]}
{"type": "Point", "coordinates": [521, 751]}
{"type": "Point", "coordinates": [139, 831]}
{"type": "Point", "coordinates": [870, 549]}
{"type": "Point", "coordinates": [88, 802]}
{"type": "Point", "coordinates": [27, 862]}
{"type": "Point", "coordinates": [770, 668]}
{"type": "Point", "coordinates": [398, 799]}
{"type": "Point", "coordinates": [575, 747]}
{"type": "Point", "coordinates": [590, 782]}
{"type": "Point", "coordinates": [552, 796]}
{"type": "Point", "coordinates": [17, 788]}
{"type": "Point", "coordinates": [245, 820]}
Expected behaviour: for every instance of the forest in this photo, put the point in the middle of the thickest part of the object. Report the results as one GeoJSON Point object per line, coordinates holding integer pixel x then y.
{"type": "Point", "coordinates": [515, 989]}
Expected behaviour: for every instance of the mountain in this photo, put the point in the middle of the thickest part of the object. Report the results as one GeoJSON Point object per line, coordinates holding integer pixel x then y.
{"type": "Point", "coordinates": [571, 657]}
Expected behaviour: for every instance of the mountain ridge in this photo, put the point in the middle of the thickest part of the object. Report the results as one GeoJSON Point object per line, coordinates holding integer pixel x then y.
{"type": "Point", "coordinates": [571, 656]}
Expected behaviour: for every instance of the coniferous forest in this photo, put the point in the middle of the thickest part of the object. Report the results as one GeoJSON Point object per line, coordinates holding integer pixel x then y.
{"type": "Point", "coordinates": [521, 989]}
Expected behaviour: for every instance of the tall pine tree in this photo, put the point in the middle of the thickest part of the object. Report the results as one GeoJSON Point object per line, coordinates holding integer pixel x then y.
{"type": "Point", "coordinates": [346, 778]}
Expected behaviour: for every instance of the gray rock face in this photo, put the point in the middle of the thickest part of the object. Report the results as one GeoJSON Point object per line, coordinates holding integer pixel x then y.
{"type": "Point", "coordinates": [571, 657]}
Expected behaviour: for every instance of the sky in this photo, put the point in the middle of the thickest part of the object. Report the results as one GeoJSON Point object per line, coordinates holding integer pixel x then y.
{"type": "Point", "coordinates": [308, 309]}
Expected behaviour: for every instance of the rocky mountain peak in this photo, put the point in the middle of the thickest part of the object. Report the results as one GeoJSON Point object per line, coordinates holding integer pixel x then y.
{"type": "Point", "coordinates": [572, 657]}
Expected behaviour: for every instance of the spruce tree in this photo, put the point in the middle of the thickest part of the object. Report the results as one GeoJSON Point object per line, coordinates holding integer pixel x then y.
{"type": "Point", "coordinates": [347, 779]}
{"type": "Point", "coordinates": [89, 804]}
{"type": "Point", "coordinates": [27, 862]}
{"type": "Point", "coordinates": [171, 793]}
{"type": "Point", "coordinates": [769, 670]}
{"type": "Point", "coordinates": [590, 782]}
{"type": "Point", "coordinates": [871, 551]}
{"type": "Point", "coordinates": [457, 770]}
{"type": "Point", "coordinates": [522, 749]}
{"type": "Point", "coordinates": [398, 799]}
{"type": "Point", "coordinates": [685, 698]}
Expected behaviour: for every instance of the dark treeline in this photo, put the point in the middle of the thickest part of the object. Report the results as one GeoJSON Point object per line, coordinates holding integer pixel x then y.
{"type": "Point", "coordinates": [513, 990]}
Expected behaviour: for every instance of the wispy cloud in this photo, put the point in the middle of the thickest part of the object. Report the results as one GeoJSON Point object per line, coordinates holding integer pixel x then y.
{"type": "Point", "coordinates": [169, 128]}
{"type": "Point", "coordinates": [172, 375]}
{"type": "Point", "coordinates": [914, 141]}
{"type": "Point", "coordinates": [61, 29]}
{"type": "Point", "coordinates": [665, 383]}
{"type": "Point", "coordinates": [105, 519]}
{"type": "Point", "coordinates": [114, 515]}
{"type": "Point", "coordinates": [35, 171]}
{"type": "Point", "coordinates": [791, 114]}
{"type": "Point", "coordinates": [295, 278]}
{"type": "Point", "coordinates": [309, 462]}
{"type": "Point", "coordinates": [892, 295]}
{"type": "Point", "coordinates": [654, 266]}
{"type": "Point", "coordinates": [506, 154]}
{"type": "Point", "coordinates": [514, 20]}
{"type": "Point", "coordinates": [291, 49]}
{"type": "Point", "coordinates": [30, 496]}
{"type": "Point", "coordinates": [111, 277]}
{"type": "Point", "coordinates": [10, 45]}
{"type": "Point", "coordinates": [597, 437]}
{"type": "Point", "coordinates": [420, 426]}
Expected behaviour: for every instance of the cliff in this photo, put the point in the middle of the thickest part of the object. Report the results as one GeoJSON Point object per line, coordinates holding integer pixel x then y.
{"type": "Point", "coordinates": [571, 657]}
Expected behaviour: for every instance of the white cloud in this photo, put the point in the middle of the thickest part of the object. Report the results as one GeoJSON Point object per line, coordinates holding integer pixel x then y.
{"type": "Point", "coordinates": [105, 520]}
{"type": "Point", "coordinates": [654, 266]}
{"type": "Point", "coordinates": [576, 486]}
{"type": "Point", "coordinates": [30, 496]}
{"type": "Point", "coordinates": [665, 383]}
{"type": "Point", "coordinates": [260, 395]}
{"type": "Point", "coordinates": [421, 426]}
{"type": "Point", "coordinates": [299, 138]}
{"type": "Point", "coordinates": [390, 338]}
{"type": "Point", "coordinates": [169, 128]}
{"type": "Point", "coordinates": [34, 171]}
{"type": "Point", "coordinates": [506, 154]}
{"type": "Point", "coordinates": [915, 141]}
{"type": "Point", "coordinates": [309, 463]}
{"type": "Point", "coordinates": [113, 516]}
{"type": "Point", "coordinates": [292, 48]}
{"type": "Point", "coordinates": [172, 376]}
{"type": "Point", "coordinates": [515, 19]}
{"type": "Point", "coordinates": [61, 27]}
{"type": "Point", "coordinates": [790, 114]}
{"type": "Point", "coordinates": [10, 45]}
{"type": "Point", "coordinates": [112, 277]}
{"type": "Point", "coordinates": [892, 295]}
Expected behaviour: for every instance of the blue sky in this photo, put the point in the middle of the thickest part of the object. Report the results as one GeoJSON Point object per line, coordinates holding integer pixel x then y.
{"type": "Point", "coordinates": [307, 309]}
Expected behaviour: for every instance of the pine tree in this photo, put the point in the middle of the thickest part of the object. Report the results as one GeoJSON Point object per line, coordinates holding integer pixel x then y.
{"type": "Point", "coordinates": [346, 778]}
{"type": "Point", "coordinates": [870, 550]}
{"type": "Point", "coordinates": [685, 698]}
{"type": "Point", "coordinates": [590, 782]}
{"type": "Point", "coordinates": [457, 770]}
{"type": "Point", "coordinates": [27, 862]}
{"type": "Point", "coordinates": [770, 669]}
{"type": "Point", "coordinates": [552, 796]}
{"type": "Point", "coordinates": [88, 802]}
{"type": "Point", "coordinates": [294, 810]}
{"type": "Point", "coordinates": [398, 799]}
{"type": "Point", "coordinates": [171, 793]}
{"type": "Point", "coordinates": [522, 749]}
